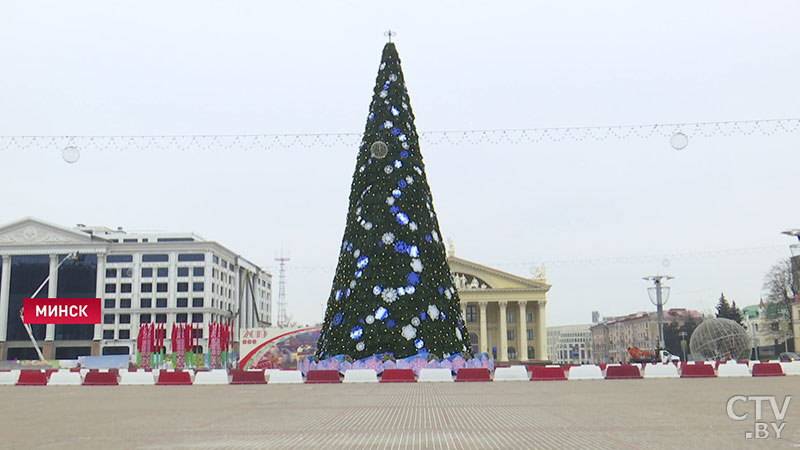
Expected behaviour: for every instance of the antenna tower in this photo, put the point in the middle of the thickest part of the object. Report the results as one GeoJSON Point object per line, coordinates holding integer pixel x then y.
{"type": "Point", "coordinates": [283, 320]}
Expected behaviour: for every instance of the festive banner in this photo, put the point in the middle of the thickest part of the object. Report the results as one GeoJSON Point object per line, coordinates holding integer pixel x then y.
{"type": "Point", "coordinates": [276, 348]}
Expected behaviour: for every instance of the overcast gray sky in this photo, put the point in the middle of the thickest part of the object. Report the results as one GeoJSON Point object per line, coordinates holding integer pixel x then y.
{"type": "Point", "coordinates": [189, 67]}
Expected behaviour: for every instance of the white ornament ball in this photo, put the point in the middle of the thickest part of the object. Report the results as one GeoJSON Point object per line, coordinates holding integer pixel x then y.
{"type": "Point", "coordinates": [378, 149]}
{"type": "Point", "coordinates": [679, 141]}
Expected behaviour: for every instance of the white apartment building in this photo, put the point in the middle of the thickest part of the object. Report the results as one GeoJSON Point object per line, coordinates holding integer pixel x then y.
{"type": "Point", "coordinates": [570, 344]}
{"type": "Point", "coordinates": [147, 277]}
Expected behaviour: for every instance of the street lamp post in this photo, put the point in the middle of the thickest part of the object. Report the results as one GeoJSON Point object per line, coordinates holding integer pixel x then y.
{"type": "Point", "coordinates": [659, 295]}
{"type": "Point", "coordinates": [683, 335]}
{"type": "Point", "coordinates": [794, 262]}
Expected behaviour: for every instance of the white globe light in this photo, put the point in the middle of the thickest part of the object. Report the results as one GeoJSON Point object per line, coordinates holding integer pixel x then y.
{"type": "Point", "coordinates": [679, 141]}
{"type": "Point", "coordinates": [71, 154]}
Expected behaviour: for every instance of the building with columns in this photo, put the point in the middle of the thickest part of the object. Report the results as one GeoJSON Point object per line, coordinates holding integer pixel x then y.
{"type": "Point", "coordinates": [139, 277]}
{"type": "Point", "coordinates": [505, 314]}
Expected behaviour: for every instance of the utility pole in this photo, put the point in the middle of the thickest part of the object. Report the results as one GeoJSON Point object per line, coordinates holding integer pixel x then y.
{"type": "Point", "coordinates": [659, 299]}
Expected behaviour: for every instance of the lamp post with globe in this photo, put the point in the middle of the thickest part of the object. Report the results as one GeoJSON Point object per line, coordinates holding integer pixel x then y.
{"type": "Point", "coordinates": [659, 295]}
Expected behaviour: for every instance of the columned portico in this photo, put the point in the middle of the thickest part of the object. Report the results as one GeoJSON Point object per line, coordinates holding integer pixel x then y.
{"type": "Point", "coordinates": [5, 285]}
{"type": "Point", "coordinates": [485, 294]}
{"type": "Point", "coordinates": [52, 292]}
{"type": "Point", "coordinates": [540, 328]}
{"type": "Point", "coordinates": [98, 292]}
{"type": "Point", "coordinates": [522, 351]}
{"type": "Point", "coordinates": [503, 354]}
{"type": "Point", "coordinates": [484, 329]}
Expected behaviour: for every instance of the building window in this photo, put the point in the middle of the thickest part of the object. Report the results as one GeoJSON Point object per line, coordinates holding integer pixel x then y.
{"type": "Point", "coordinates": [146, 303]}
{"type": "Point", "coordinates": [512, 353]}
{"type": "Point", "coordinates": [144, 318]}
{"type": "Point", "coordinates": [147, 272]}
{"type": "Point", "coordinates": [108, 318]}
{"type": "Point", "coordinates": [529, 317]}
{"type": "Point", "coordinates": [530, 352]}
{"type": "Point", "coordinates": [161, 287]}
{"type": "Point", "coordinates": [124, 318]}
{"type": "Point", "coordinates": [198, 271]}
{"type": "Point", "coordinates": [147, 287]}
{"type": "Point", "coordinates": [191, 257]}
{"type": "Point", "coordinates": [119, 258]}
{"type": "Point", "coordinates": [197, 287]}
{"type": "Point", "coordinates": [111, 273]}
{"type": "Point", "coordinates": [510, 334]}
{"type": "Point", "coordinates": [161, 303]}
{"type": "Point", "coordinates": [125, 273]}
{"type": "Point", "coordinates": [155, 258]}
{"type": "Point", "coordinates": [180, 318]}
{"type": "Point", "coordinates": [197, 318]}
{"type": "Point", "coordinates": [774, 326]}
{"type": "Point", "coordinates": [183, 287]}
{"type": "Point", "coordinates": [109, 303]}
{"type": "Point", "coordinates": [163, 272]}
{"type": "Point", "coordinates": [530, 335]}
{"type": "Point", "coordinates": [161, 318]}
{"type": "Point", "coordinates": [111, 288]}
{"type": "Point", "coordinates": [125, 303]}
{"type": "Point", "coordinates": [183, 302]}
{"type": "Point", "coordinates": [124, 334]}
{"type": "Point", "coordinates": [125, 287]}
{"type": "Point", "coordinates": [472, 313]}
{"type": "Point", "coordinates": [108, 334]}
{"type": "Point", "coordinates": [197, 302]}
{"type": "Point", "coordinates": [183, 271]}
{"type": "Point", "coordinates": [510, 317]}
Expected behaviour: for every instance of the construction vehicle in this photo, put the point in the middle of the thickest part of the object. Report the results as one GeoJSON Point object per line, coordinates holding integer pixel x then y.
{"type": "Point", "coordinates": [641, 356]}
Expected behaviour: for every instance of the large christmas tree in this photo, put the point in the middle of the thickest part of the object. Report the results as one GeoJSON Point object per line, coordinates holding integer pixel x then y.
{"type": "Point", "coordinates": [393, 291]}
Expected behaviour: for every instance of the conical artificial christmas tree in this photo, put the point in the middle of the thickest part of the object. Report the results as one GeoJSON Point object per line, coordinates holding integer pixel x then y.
{"type": "Point", "coordinates": [393, 291]}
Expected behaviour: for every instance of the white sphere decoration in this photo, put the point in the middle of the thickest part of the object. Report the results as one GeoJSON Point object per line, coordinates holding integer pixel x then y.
{"type": "Point", "coordinates": [679, 141]}
{"type": "Point", "coordinates": [720, 339]}
{"type": "Point", "coordinates": [71, 154]}
{"type": "Point", "coordinates": [379, 149]}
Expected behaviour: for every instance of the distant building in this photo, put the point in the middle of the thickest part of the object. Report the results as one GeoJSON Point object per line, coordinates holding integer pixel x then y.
{"type": "Point", "coordinates": [139, 277]}
{"type": "Point", "coordinates": [613, 335]}
{"type": "Point", "coordinates": [570, 344]}
{"type": "Point", "coordinates": [768, 327]}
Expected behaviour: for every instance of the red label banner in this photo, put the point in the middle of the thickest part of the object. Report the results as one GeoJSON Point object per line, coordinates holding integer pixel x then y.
{"type": "Point", "coordinates": [62, 310]}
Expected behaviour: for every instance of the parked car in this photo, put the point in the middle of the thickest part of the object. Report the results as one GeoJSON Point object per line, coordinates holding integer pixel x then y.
{"type": "Point", "coordinates": [790, 356]}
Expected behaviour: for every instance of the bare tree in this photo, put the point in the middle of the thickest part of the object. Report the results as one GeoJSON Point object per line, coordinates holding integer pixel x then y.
{"type": "Point", "coordinates": [779, 286]}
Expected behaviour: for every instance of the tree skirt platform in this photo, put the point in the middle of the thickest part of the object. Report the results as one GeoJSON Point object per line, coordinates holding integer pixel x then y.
{"type": "Point", "coordinates": [415, 362]}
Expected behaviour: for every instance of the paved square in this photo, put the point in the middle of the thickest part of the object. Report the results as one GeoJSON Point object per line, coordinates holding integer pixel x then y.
{"type": "Point", "coordinates": [604, 414]}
